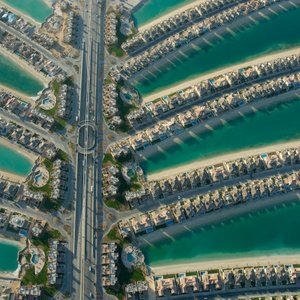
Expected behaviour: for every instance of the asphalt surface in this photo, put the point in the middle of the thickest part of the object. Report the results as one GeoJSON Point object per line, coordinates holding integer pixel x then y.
{"type": "Point", "coordinates": [87, 234]}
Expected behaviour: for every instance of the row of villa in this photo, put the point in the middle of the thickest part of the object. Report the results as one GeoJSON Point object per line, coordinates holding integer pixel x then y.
{"type": "Point", "coordinates": [20, 224]}
{"type": "Point", "coordinates": [197, 206]}
{"type": "Point", "coordinates": [110, 106]}
{"type": "Point", "coordinates": [142, 61]}
{"type": "Point", "coordinates": [110, 35]}
{"type": "Point", "coordinates": [28, 139]}
{"type": "Point", "coordinates": [56, 262]}
{"type": "Point", "coordinates": [176, 23]}
{"type": "Point", "coordinates": [23, 27]}
{"type": "Point", "coordinates": [24, 110]}
{"type": "Point", "coordinates": [197, 178]}
{"type": "Point", "coordinates": [207, 89]}
{"type": "Point", "coordinates": [34, 58]}
{"type": "Point", "coordinates": [109, 261]}
{"type": "Point", "coordinates": [227, 280]}
{"type": "Point", "coordinates": [182, 122]}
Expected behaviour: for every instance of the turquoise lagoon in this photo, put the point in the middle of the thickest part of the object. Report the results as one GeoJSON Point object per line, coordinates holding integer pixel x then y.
{"type": "Point", "coordinates": [260, 38]}
{"type": "Point", "coordinates": [271, 231]}
{"type": "Point", "coordinates": [8, 257]}
{"type": "Point", "coordinates": [14, 162]}
{"type": "Point", "coordinates": [15, 77]}
{"type": "Point", "coordinates": [269, 126]}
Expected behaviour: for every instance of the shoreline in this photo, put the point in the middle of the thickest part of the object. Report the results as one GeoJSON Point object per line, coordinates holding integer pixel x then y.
{"type": "Point", "coordinates": [25, 16]}
{"type": "Point", "coordinates": [23, 65]}
{"type": "Point", "coordinates": [226, 263]}
{"type": "Point", "coordinates": [18, 94]}
{"type": "Point", "coordinates": [170, 233]}
{"type": "Point", "coordinates": [202, 41]}
{"type": "Point", "coordinates": [22, 151]}
{"type": "Point", "coordinates": [210, 125]}
{"type": "Point", "coordinates": [20, 13]}
{"type": "Point", "coordinates": [170, 14]}
{"type": "Point", "coordinates": [6, 238]}
{"type": "Point", "coordinates": [185, 84]}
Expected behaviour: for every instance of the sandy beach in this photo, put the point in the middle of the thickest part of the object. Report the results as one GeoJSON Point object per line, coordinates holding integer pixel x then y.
{"type": "Point", "coordinates": [191, 82]}
{"type": "Point", "coordinates": [222, 158]}
{"type": "Point", "coordinates": [21, 14]}
{"type": "Point", "coordinates": [30, 155]}
{"type": "Point", "coordinates": [25, 66]}
{"type": "Point", "coordinates": [170, 14]}
{"type": "Point", "coordinates": [209, 126]}
{"type": "Point", "coordinates": [6, 238]}
{"type": "Point", "coordinates": [18, 94]}
{"type": "Point", "coordinates": [251, 261]}
{"type": "Point", "coordinates": [170, 233]}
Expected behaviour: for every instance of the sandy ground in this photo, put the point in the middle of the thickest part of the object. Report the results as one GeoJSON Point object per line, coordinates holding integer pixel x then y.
{"type": "Point", "coordinates": [227, 263]}
{"type": "Point", "coordinates": [170, 233]}
{"type": "Point", "coordinates": [191, 82]}
{"type": "Point", "coordinates": [21, 14]}
{"type": "Point", "coordinates": [30, 155]}
{"type": "Point", "coordinates": [170, 14]}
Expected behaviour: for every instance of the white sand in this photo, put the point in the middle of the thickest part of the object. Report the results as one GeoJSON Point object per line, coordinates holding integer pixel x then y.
{"type": "Point", "coordinates": [170, 14]}
{"type": "Point", "coordinates": [191, 82]}
{"type": "Point", "coordinates": [226, 264]}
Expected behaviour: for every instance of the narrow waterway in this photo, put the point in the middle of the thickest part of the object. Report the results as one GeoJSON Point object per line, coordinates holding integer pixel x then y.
{"type": "Point", "coordinates": [269, 126]}
{"type": "Point", "coordinates": [272, 231]}
{"type": "Point", "coordinates": [8, 257]}
{"type": "Point", "coordinates": [15, 77]}
{"type": "Point", "coordinates": [270, 35]}
{"type": "Point", "coordinates": [14, 162]}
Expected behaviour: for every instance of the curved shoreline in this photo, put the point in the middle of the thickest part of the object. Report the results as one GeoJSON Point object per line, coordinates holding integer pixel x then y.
{"type": "Point", "coordinates": [25, 66]}
{"type": "Point", "coordinates": [170, 14]}
{"type": "Point", "coordinates": [206, 40]}
{"type": "Point", "coordinates": [209, 126]}
{"type": "Point", "coordinates": [9, 240]}
{"type": "Point", "coordinates": [22, 151]}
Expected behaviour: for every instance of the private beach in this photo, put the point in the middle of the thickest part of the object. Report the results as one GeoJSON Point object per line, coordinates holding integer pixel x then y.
{"type": "Point", "coordinates": [188, 83]}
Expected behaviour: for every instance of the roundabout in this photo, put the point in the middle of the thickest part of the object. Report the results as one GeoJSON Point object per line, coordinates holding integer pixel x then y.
{"type": "Point", "coordinates": [87, 137]}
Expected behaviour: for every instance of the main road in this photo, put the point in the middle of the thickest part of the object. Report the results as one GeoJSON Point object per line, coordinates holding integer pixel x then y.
{"type": "Point", "coordinates": [88, 217]}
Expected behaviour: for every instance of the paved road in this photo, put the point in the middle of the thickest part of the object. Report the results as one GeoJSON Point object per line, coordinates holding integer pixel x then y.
{"type": "Point", "coordinates": [87, 235]}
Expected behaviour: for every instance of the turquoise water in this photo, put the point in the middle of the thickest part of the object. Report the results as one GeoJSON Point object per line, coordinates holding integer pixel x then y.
{"type": "Point", "coordinates": [280, 123]}
{"type": "Point", "coordinates": [14, 162]}
{"type": "Point", "coordinates": [244, 44]}
{"type": "Point", "coordinates": [270, 231]}
{"type": "Point", "coordinates": [36, 9]}
{"type": "Point", "coordinates": [14, 77]}
{"type": "Point", "coordinates": [153, 9]}
{"type": "Point", "coordinates": [8, 257]}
